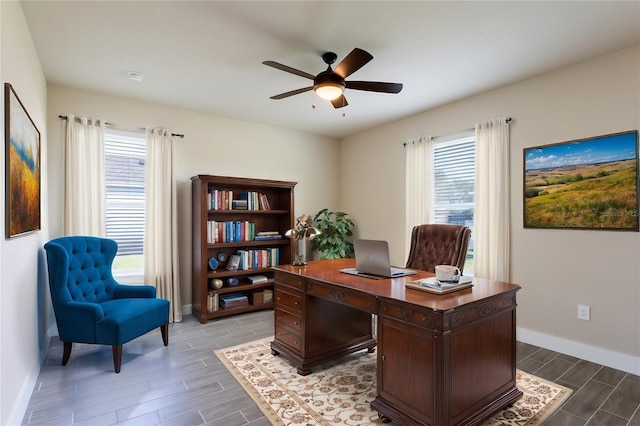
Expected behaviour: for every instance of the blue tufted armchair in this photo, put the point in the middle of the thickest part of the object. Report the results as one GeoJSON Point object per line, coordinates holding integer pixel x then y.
{"type": "Point", "coordinates": [90, 305]}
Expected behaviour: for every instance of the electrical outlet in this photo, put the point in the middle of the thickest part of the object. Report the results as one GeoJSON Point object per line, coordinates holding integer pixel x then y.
{"type": "Point", "coordinates": [584, 312]}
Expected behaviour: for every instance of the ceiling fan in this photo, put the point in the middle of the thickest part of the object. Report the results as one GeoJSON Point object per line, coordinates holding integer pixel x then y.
{"type": "Point", "coordinates": [330, 84]}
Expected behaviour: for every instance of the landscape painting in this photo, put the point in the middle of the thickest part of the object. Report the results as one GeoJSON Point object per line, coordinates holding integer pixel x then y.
{"type": "Point", "coordinates": [22, 168]}
{"type": "Point", "coordinates": [583, 184]}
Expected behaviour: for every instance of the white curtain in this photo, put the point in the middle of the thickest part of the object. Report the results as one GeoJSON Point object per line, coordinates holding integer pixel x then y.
{"type": "Point", "coordinates": [160, 231]}
{"type": "Point", "coordinates": [491, 220]}
{"type": "Point", "coordinates": [419, 184]}
{"type": "Point", "coordinates": [85, 193]}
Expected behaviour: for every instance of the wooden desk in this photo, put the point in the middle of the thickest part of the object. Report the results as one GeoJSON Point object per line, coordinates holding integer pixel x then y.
{"type": "Point", "coordinates": [442, 359]}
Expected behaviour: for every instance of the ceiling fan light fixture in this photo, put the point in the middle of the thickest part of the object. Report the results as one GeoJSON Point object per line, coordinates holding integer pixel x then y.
{"type": "Point", "coordinates": [329, 90]}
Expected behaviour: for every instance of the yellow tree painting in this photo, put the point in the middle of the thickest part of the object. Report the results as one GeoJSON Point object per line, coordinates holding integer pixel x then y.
{"type": "Point", "coordinates": [22, 156]}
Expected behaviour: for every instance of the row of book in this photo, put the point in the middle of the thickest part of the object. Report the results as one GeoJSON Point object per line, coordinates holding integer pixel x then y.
{"type": "Point", "coordinates": [236, 231]}
{"type": "Point", "coordinates": [218, 199]}
{"type": "Point", "coordinates": [230, 231]}
{"type": "Point", "coordinates": [258, 258]}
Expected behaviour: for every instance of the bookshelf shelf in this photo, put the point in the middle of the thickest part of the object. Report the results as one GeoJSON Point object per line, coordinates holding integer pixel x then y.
{"type": "Point", "coordinates": [219, 233]}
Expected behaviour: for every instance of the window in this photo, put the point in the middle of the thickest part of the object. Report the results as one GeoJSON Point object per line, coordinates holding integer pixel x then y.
{"type": "Point", "coordinates": [454, 184]}
{"type": "Point", "coordinates": [124, 176]}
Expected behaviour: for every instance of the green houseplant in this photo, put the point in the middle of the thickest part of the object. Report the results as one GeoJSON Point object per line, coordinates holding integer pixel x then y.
{"type": "Point", "coordinates": [335, 228]}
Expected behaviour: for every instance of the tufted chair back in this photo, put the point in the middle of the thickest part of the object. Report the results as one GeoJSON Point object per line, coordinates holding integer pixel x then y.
{"type": "Point", "coordinates": [438, 244]}
{"type": "Point", "coordinates": [81, 267]}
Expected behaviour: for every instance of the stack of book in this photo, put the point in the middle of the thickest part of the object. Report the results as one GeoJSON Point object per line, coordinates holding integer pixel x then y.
{"type": "Point", "coordinates": [257, 279]}
{"type": "Point", "coordinates": [233, 300]}
{"type": "Point", "coordinates": [239, 205]}
{"type": "Point", "coordinates": [267, 235]}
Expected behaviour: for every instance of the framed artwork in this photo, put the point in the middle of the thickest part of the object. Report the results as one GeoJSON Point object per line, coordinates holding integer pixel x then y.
{"type": "Point", "coordinates": [583, 184]}
{"type": "Point", "coordinates": [22, 167]}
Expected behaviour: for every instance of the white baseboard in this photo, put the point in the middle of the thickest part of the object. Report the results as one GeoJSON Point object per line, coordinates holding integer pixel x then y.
{"type": "Point", "coordinates": [617, 360]}
{"type": "Point", "coordinates": [186, 310]}
{"type": "Point", "coordinates": [20, 408]}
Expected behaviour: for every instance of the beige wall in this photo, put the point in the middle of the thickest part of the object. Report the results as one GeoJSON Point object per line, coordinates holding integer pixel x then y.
{"type": "Point", "coordinates": [24, 295]}
{"type": "Point", "coordinates": [212, 145]}
{"type": "Point", "coordinates": [557, 269]}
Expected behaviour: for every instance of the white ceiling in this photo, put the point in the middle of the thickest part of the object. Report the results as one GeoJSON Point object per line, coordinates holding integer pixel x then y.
{"type": "Point", "coordinates": [207, 55]}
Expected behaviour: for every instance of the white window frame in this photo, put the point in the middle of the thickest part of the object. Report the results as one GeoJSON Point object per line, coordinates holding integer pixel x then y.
{"type": "Point", "coordinates": [458, 166]}
{"type": "Point", "coordinates": [125, 201]}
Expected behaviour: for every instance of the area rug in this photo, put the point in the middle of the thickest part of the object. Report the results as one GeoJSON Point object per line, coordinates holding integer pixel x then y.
{"type": "Point", "coordinates": [341, 392]}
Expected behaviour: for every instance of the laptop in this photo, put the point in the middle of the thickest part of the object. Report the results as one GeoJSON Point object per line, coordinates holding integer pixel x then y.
{"type": "Point", "coordinates": [372, 261]}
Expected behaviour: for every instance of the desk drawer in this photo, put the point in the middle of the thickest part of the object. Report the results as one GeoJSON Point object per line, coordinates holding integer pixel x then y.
{"type": "Point", "coordinates": [407, 313]}
{"type": "Point", "coordinates": [289, 338]}
{"type": "Point", "coordinates": [289, 280]}
{"type": "Point", "coordinates": [355, 299]}
{"type": "Point", "coordinates": [287, 319]}
{"type": "Point", "coordinates": [284, 299]}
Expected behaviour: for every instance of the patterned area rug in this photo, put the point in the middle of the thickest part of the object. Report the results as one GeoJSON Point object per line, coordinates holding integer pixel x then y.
{"type": "Point", "coordinates": [341, 392]}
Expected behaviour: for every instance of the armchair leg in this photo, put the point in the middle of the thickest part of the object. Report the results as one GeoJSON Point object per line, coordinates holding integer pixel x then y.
{"type": "Point", "coordinates": [66, 352]}
{"type": "Point", "coordinates": [117, 357]}
{"type": "Point", "coordinates": [164, 330]}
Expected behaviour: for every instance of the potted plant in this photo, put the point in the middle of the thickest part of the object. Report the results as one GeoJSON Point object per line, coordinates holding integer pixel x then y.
{"type": "Point", "coordinates": [335, 228]}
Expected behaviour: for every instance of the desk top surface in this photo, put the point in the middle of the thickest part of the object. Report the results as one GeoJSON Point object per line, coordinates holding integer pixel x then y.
{"type": "Point", "coordinates": [394, 288]}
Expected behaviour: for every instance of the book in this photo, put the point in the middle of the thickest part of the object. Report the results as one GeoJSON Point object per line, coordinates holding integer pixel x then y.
{"type": "Point", "coordinates": [257, 279]}
{"type": "Point", "coordinates": [267, 237]}
{"type": "Point", "coordinates": [432, 285]}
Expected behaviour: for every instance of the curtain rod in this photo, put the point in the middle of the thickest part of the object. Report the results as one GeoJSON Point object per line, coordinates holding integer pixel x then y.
{"type": "Point", "coordinates": [178, 135]}
{"type": "Point", "coordinates": [507, 119]}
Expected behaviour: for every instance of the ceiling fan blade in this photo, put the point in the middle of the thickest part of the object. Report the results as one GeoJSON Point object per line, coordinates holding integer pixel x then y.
{"type": "Point", "coordinates": [281, 67]}
{"type": "Point", "coordinates": [374, 86]}
{"type": "Point", "coordinates": [340, 102]}
{"type": "Point", "coordinates": [353, 62]}
{"type": "Point", "coordinates": [291, 93]}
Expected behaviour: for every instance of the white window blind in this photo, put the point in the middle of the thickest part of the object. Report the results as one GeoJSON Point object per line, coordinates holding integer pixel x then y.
{"type": "Point", "coordinates": [454, 185]}
{"type": "Point", "coordinates": [124, 170]}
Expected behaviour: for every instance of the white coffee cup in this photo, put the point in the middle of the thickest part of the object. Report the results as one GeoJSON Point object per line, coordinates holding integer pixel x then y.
{"type": "Point", "coordinates": [447, 273]}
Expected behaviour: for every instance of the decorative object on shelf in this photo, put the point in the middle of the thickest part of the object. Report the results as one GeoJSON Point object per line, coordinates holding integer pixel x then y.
{"type": "Point", "coordinates": [22, 165]}
{"type": "Point", "coordinates": [222, 257]}
{"type": "Point", "coordinates": [234, 262]}
{"type": "Point", "coordinates": [213, 264]}
{"type": "Point", "coordinates": [301, 233]}
{"type": "Point", "coordinates": [216, 283]}
{"type": "Point", "coordinates": [589, 183]}
{"type": "Point", "coordinates": [335, 228]}
{"type": "Point", "coordinates": [232, 281]}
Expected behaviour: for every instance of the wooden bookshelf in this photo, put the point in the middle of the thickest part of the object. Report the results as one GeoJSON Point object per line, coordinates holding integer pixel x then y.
{"type": "Point", "coordinates": [208, 215]}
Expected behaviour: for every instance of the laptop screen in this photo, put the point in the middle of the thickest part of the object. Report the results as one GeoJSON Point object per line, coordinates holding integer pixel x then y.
{"type": "Point", "coordinates": [372, 260]}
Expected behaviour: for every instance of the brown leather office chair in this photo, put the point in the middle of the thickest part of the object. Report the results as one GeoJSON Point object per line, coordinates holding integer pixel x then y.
{"type": "Point", "coordinates": [438, 244]}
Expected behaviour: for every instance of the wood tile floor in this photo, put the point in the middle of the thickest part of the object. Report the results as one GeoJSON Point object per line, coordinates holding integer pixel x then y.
{"type": "Point", "coordinates": [185, 384]}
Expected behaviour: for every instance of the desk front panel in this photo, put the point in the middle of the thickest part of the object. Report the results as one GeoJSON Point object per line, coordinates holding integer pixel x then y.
{"type": "Point", "coordinates": [316, 323]}
{"type": "Point", "coordinates": [445, 368]}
